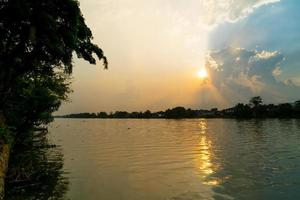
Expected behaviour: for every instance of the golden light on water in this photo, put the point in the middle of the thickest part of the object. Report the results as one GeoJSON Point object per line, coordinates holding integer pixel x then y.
{"type": "Point", "coordinates": [203, 159]}
{"type": "Point", "coordinates": [204, 163]}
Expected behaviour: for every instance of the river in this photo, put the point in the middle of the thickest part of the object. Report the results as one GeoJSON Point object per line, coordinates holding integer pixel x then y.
{"type": "Point", "coordinates": [157, 159]}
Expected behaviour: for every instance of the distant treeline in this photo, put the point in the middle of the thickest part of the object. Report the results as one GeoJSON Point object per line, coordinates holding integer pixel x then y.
{"type": "Point", "coordinates": [254, 109]}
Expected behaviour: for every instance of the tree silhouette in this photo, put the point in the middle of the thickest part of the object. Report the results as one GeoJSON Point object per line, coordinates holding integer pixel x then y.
{"type": "Point", "coordinates": [33, 100]}
{"type": "Point", "coordinates": [297, 107]}
{"type": "Point", "coordinates": [284, 110]}
{"type": "Point", "coordinates": [38, 38]}
{"type": "Point", "coordinates": [256, 101]}
{"type": "Point", "coordinates": [41, 38]}
{"type": "Point", "coordinates": [176, 113]}
{"type": "Point", "coordinates": [242, 111]}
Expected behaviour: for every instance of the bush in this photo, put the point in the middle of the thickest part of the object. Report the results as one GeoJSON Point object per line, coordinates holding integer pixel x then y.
{"type": "Point", "coordinates": [5, 135]}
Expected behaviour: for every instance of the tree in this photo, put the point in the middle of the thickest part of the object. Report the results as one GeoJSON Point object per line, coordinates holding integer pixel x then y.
{"type": "Point", "coordinates": [37, 38]}
{"type": "Point", "coordinates": [285, 110]}
{"type": "Point", "coordinates": [256, 101]}
{"type": "Point", "coordinates": [147, 114]}
{"type": "Point", "coordinates": [176, 113]}
{"type": "Point", "coordinates": [242, 111]}
{"type": "Point", "coordinates": [297, 107]}
{"type": "Point", "coordinates": [33, 100]}
{"type": "Point", "coordinates": [102, 115]}
{"type": "Point", "coordinates": [40, 39]}
{"type": "Point", "coordinates": [121, 114]}
{"type": "Point", "coordinates": [190, 113]}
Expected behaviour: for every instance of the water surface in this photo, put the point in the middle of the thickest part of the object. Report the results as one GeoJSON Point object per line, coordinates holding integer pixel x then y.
{"type": "Point", "coordinates": [179, 159]}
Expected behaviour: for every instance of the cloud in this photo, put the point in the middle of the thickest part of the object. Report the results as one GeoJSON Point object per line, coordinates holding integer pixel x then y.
{"type": "Point", "coordinates": [205, 12]}
{"type": "Point", "coordinates": [217, 11]}
{"type": "Point", "coordinates": [276, 72]}
{"type": "Point", "coordinates": [266, 55]}
{"type": "Point", "coordinates": [237, 74]}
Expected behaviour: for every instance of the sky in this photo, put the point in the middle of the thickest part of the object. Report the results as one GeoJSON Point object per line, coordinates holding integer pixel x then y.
{"type": "Point", "coordinates": [156, 48]}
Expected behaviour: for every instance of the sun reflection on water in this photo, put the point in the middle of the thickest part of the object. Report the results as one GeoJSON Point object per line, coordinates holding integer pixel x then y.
{"type": "Point", "coordinates": [204, 164]}
{"type": "Point", "coordinates": [204, 158]}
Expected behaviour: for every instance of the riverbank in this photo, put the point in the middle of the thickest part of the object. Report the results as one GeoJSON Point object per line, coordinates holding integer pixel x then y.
{"type": "Point", "coordinates": [4, 157]}
{"type": "Point", "coordinates": [4, 153]}
{"type": "Point", "coordinates": [255, 109]}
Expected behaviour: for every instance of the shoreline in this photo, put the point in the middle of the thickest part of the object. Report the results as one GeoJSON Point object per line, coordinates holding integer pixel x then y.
{"type": "Point", "coordinates": [4, 157]}
{"type": "Point", "coordinates": [183, 118]}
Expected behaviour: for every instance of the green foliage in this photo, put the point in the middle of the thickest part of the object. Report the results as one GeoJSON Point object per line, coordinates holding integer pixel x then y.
{"type": "Point", "coordinates": [37, 44]}
{"type": "Point", "coordinates": [33, 100]}
{"type": "Point", "coordinates": [5, 135]}
{"type": "Point", "coordinates": [44, 33]}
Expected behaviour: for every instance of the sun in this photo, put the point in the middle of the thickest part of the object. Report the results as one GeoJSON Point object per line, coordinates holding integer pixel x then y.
{"type": "Point", "coordinates": [202, 74]}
